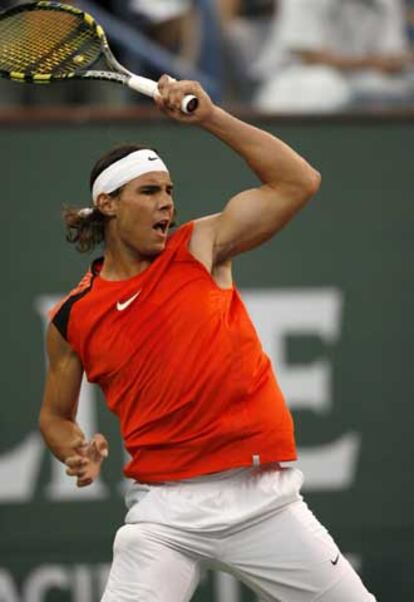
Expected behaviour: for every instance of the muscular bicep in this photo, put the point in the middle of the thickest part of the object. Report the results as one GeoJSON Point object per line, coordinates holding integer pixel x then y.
{"type": "Point", "coordinates": [63, 379]}
{"type": "Point", "coordinates": [252, 217]}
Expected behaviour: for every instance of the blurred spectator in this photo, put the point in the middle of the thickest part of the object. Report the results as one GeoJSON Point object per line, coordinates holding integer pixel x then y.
{"type": "Point", "coordinates": [10, 3]}
{"type": "Point", "coordinates": [410, 20]}
{"type": "Point", "coordinates": [329, 54]}
{"type": "Point", "coordinates": [174, 24]}
{"type": "Point", "coordinates": [246, 24]}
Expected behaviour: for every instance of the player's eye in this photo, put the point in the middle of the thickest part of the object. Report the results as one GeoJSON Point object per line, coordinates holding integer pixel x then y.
{"type": "Point", "coordinates": [149, 190]}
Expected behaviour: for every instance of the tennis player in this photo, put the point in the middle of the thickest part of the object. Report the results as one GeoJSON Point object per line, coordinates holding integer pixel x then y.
{"type": "Point", "coordinates": [158, 324]}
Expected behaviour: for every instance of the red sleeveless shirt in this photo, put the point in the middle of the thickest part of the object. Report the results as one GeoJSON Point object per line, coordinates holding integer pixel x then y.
{"type": "Point", "coordinates": [180, 363]}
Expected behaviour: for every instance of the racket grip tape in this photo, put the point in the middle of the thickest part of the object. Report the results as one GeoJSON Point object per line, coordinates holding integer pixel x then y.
{"type": "Point", "coordinates": [150, 88]}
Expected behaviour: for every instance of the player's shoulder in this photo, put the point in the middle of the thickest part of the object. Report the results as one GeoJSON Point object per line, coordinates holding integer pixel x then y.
{"type": "Point", "coordinates": [59, 314]}
{"type": "Point", "coordinates": [83, 285]}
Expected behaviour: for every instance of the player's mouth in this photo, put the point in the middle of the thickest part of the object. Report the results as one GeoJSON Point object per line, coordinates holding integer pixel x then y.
{"type": "Point", "coordinates": [161, 227]}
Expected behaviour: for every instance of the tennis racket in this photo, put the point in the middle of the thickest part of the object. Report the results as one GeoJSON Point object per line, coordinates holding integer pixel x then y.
{"type": "Point", "coordinates": [46, 42]}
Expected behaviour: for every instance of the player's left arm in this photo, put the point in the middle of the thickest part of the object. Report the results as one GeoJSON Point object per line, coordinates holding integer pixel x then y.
{"type": "Point", "coordinates": [287, 181]}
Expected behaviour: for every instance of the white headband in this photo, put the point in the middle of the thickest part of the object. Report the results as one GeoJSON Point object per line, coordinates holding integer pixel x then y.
{"type": "Point", "coordinates": [123, 171]}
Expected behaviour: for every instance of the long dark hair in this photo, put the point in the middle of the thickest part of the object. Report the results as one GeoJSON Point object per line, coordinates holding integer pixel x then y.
{"type": "Point", "coordinates": [85, 228]}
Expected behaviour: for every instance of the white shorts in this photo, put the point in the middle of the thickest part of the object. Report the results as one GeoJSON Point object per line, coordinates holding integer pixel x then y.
{"type": "Point", "coordinates": [251, 523]}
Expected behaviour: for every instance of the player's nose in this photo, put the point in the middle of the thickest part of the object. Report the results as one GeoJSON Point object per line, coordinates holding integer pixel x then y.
{"type": "Point", "coordinates": [165, 202]}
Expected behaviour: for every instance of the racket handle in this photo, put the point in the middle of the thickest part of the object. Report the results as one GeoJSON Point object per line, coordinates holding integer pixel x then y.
{"type": "Point", "coordinates": [143, 85]}
{"type": "Point", "coordinates": [150, 88]}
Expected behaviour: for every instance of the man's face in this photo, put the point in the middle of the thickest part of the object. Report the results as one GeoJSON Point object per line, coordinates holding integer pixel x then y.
{"type": "Point", "coordinates": [144, 212]}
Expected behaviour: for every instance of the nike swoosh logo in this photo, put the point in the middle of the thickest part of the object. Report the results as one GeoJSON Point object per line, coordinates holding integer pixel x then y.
{"type": "Point", "coordinates": [121, 306]}
{"type": "Point", "coordinates": [152, 158]}
{"type": "Point", "coordinates": [335, 561]}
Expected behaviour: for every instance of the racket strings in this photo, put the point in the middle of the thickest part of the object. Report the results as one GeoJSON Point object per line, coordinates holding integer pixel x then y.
{"type": "Point", "coordinates": [47, 42]}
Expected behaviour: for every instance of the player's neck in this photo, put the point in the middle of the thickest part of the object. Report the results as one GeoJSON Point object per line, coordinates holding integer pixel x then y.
{"type": "Point", "coordinates": [121, 263]}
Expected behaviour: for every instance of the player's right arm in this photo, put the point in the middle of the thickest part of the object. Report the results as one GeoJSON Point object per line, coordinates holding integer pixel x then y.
{"type": "Point", "coordinates": [57, 419]}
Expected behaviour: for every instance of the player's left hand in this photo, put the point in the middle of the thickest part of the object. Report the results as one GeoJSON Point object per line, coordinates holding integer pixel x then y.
{"type": "Point", "coordinates": [171, 94]}
{"type": "Point", "coordinates": [85, 463]}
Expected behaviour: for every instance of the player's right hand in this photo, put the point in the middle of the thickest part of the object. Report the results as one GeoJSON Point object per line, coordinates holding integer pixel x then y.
{"type": "Point", "coordinates": [170, 97]}
{"type": "Point", "coordinates": [85, 462]}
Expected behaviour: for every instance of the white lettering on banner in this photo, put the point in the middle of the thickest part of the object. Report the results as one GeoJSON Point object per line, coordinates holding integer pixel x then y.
{"type": "Point", "coordinates": [87, 583]}
{"type": "Point", "coordinates": [8, 592]}
{"type": "Point", "coordinates": [226, 588]}
{"type": "Point", "coordinates": [102, 574]}
{"type": "Point", "coordinates": [43, 580]}
{"type": "Point", "coordinates": [60, 487]}
{"type": "Point", "coordinates": [332, 466]}
{"type": "Point", "coordinates": [19, 470]}
{"type": "Point", "coordinates": [281, 313]}
{"type": "Point", "coordinates": [83, 587]}
{"type": "Point", "coordinates": [278, 314]}
{"type": "Point", "coordinates": [84, 583]}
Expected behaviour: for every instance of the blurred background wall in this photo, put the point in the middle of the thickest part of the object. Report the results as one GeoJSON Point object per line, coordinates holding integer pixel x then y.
{"type": "Point", "coordinates": [331, 296]}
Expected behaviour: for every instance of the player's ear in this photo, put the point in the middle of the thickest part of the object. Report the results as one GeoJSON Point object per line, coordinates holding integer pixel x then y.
{"type": "Point", "coordinates": [107, 204]}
